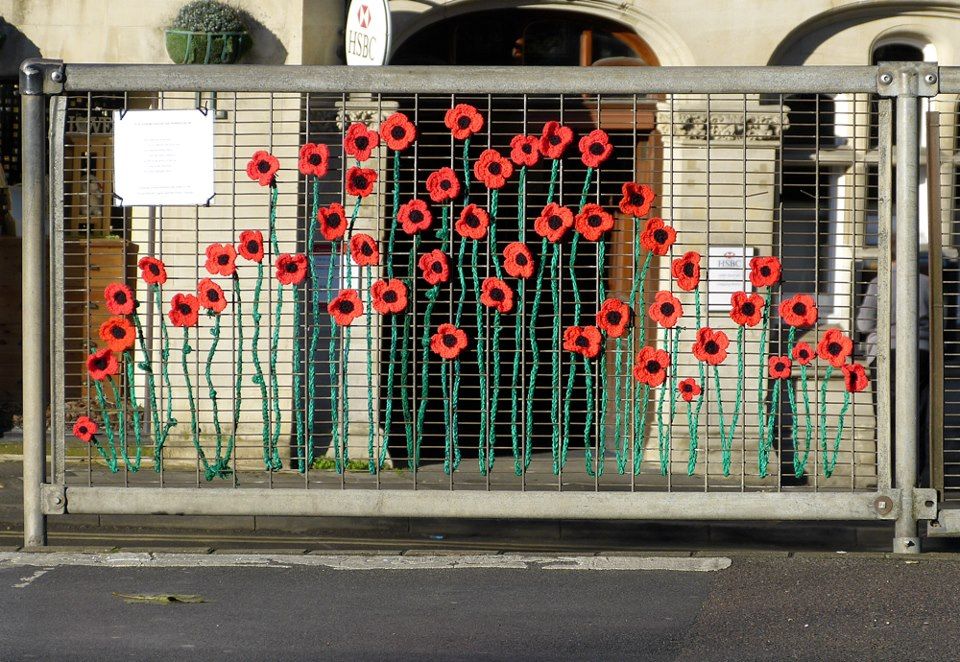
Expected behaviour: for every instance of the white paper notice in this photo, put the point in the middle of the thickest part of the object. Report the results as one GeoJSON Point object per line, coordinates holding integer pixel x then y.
{"type": "Point", "coordinates": [728, 272]}
{"type": "Point", "coordinates": [163, 157]}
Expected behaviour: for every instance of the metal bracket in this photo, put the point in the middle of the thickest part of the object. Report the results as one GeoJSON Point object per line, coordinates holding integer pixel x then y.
{"type": "Point", "coordinates": [54, 499]}
{"type": "Point", "coordinates": [915, 79]}
{"type": "Point", "coordinates": [925, 503]}
{"type": "Point", "coordinates": [40, 76]}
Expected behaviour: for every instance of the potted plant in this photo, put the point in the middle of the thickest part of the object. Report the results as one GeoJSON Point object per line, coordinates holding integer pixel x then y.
{"type": "Point", "coordinates": [207, 32]}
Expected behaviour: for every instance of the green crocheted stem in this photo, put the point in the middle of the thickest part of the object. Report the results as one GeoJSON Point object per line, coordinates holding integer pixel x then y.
{"type": "Point", "coordinates": [211, 391]}
{"type": "Point", "coordinates": [515, 385]}
{"type": "Point", "coordinates": [701, 371]}
{"type": "Point", "coordinates": [466, 172]}
{"type": "Point", "coordinates": [371, 426]}
{"type": "Point", "coordinates": [620, 441]}
{"type": "Point", "coordinates": [165, 374]}
{"type": "Point", "coordinates": [558, 461]}
{"type": "Point", "coordinates": [275, 462]}
{"type": "Point", "coordinates": [388, 407]}
{"type": "Point", "coordinates": [111, 459]}
{"type": "Point", "coordinates": [298, 389]}
{"type": "Point", "coordinates": [345, 417]}
{"type": "Point", "coordinates": [738, 402]}
{"type": "Point", "coordinates": [238, 381]}
{"type": "Point", "coordinates": [554, 170]}
{"type": "Point", "coordinates": [463, 282]}
{"type": "Point", "coordinates": [147, 369]}
{"type": "Point", "coordinates": [792, 398]}
{"type": "Point", "coordinates": [775, 405]}
{"type": "Point", "coordinates": [334, 367]}
{"type": "Point", "coordinates": [724, 441]}
{"type": "Point", "coordinates": [637, 337]}
{"type": "Point", "coordinates": [588, 421]}
{"type": "Point", "coordinates": [602, 386]}
{"type": "Point", "coordinates": [494, 391]}
{"type": "Point", "coordinates": [830, 463]}
{"type": "Point", "coordinates": [413, 446]}
{"type": "Point", "coordinates": [396, 212]}
{"type": "Point", "coordinates": [274, 241]}
{"type": "Point", "coordinates": [761, 380]}
{"type": "Point", "coordinates": [587, 178]}
{"type": "Point", "coordinates": [258, 377]}
{"type": "Point", "coordinates": [800, 465]}
{"type": "Point", "coordinates": [447, 423]}
{"type": "Point", "coordinates": [194, 427]}
{"type": "Point", "coordinates": [432, 295]}
{"type": "Point", "coordinates": [572, 376]}
{"type": "Point", "coordinates": [535, 352]}
{"type": "Point", "coordinates": [639, 422]}
{"type": "Point", "coordinates": [135, 410]}
{"type": "Point", "coordinates": [353, 216]}
{"type": "Point", "coordinates": [574, 286]}
{"type": "Point", "coordinates": [692, 429]}
{"type": "Point", "coordinates": [454, 414]}
{"type": "Point", "coordinates": [667, 438]}
{"type": "Point", "coordinates": [306, 454]}
{"type": "Point", "coordinates": [823, 417]}
{"type": "Point", "coordinates": [662, 434]}
{"type": "Point", "coordinates": [482, 442]}
{"type": "Point", "coordinates": [121, 422]}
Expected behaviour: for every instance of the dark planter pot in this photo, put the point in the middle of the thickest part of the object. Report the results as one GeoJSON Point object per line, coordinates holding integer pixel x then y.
{"type": "Point", "coordinates": [186, 47]}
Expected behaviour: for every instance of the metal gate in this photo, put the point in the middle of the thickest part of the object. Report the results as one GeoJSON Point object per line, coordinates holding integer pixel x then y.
{"type": "Point", "coordinates": [563, 293]}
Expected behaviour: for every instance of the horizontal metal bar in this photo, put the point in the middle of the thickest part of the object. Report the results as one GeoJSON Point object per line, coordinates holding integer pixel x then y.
{"type": "Point", "coordinates": [447, 80]}
{"type": "Point", "coordinates": [505, 505]}
{"type": "Point", "coordinates": [949, 80]}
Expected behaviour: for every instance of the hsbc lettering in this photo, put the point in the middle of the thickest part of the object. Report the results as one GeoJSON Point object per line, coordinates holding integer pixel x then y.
{"type": "Point", "coordinates": [361, 44]}
{"type": "Point", "coordinates": [367, 32]}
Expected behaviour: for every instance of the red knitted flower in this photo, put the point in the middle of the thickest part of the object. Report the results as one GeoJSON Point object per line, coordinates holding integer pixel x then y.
{"type": "Point", "coordinates": [263, 168]}
{"type": "Point", "coordinates": [359, 141]}
{"type": "Point", "coordinates": [448, 341]}
{"type": "Point", "coordinates": [184, 310]}
{"type": "Point", "coordinates": [555, 139]}
{"type": "Point", "coordinates": [434, 267]}
{"type": "Point", "coordinates": [414, 216]}
{"type": "Point", "coordinates": [345, 307]}
{"type": "Point", "coordinates": [291, 269]}
{"type": "Point", "coordinates": [152, 271]}
{"type": "Point", "coordinates": [595, 148]}
{"type": "Point", "coordinates": [799, 310]}
{"type": "Point", "coordinates": [778, 367]}
{"type": "Point", "coordinates": [583, 340]}
{"type": "Point", "coordinates": [764, 271]}
{"type": "Point", "coordinates": [711, 346]}
{"type": "Point", "coordinates": [637, 199]}
{"type": "Point", "coordinates": [492, 169]}
{"type": "Point", "coordinates": [443, 185]}
{"type": "Point", "coordinates": [251, 245]}
{"type": "Point", "coordinates": [496, 294]}
{"type": "Point", "coordinates": [854, 377]}
{"type": "Point", "coordinates": [363, 250]}
{"type": "Point", "coordinates": [803, 353]}
{"type": "Point", "coordinates": [333, 221]}
{"type": "Point", "coordinates": [473, 222]}
{"type": "Point", "coordinates": [686, 270]}
{"type": "Point", "coordinates": [553, 222]}
{"type": "Point", "coordinates": [592, 222]}
{"type": "Point", "coordinates": [398, 132]}
{"type": "Point", "coordinates": [614, 318]}
{"type": "Point", "coordinates": [651, 365]}
{"type": "Point", "coordinates": [102, 364]}
{"type": "Point", "coordinates": [314, 160]}
{"type": "Point", "coordinates": [746, 309]}
{"type": "Point", "coordinates": [666, 309]}
{"type": "Point", "coordinates": [657, 237]}
{"type": "Point", "coordinates": [518, 260]}
{"type": "Point", "coordinates": [221, 259]}
{"type": "Point", "coordinates": [463, 120]}
{"type": "Point", "coordinates": [689, 389]}
{"type": "Point", "coordinates": [118, 334]}
{"type": "Point", "coordinates": [119, 298]}
{"type": "Point", "coordinates": [525, 150]}
{"type": "Point", "coordinates": [360, 181]}
{"type": "Point", "coordinates": [389, 296]}
{"type": "Point", "coordinates": [84, 429]}
{"type": "Point", "coordinates": [835, 347]}
{"type": "Point", "coordinates": [211, 296]}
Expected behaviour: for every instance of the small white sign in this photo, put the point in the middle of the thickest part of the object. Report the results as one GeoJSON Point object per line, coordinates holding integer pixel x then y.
{"type": "Point", "coordinates": [163, 157]}
{"type": "Point", "coordinates": [728, 272]}
{"type": "Point", "coordinates": [368, 32]}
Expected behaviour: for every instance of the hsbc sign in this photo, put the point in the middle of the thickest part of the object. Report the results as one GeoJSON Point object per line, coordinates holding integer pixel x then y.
{"type": "Point", "coordinates": [368, 32]}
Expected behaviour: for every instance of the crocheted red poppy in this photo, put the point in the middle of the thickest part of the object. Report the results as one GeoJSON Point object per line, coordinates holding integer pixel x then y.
{"type": "Point", "coordinates": [583, 340]}
{"type": "Point", "coordinates": [764, 271]}
{"type": "Point", "coordinates": [746, 309]}
{"type": "Point", "coordinates": [262, 168]}
{"type": "Point", "coordinates": [398, 132]}
{"type": "Point", "coordinates": [119, 298]}
{"type": "Point", "coordinates": [803, 353]}
{"type": "Point", "coordinates": [496, 294]}
{"type": "Point", "coordinates": [657, 237]}
{"type": "Point", "coordinates": [221, 259]}
{"type": "Point", "coordinates": [595, 148]}
{"type": "Point", "coordinates": [637, 199]}
{"type": "Point", "coordinates": [492, 169]}
{"type": "Point", "coordinates": [686, 270]}
{"type": "Point", "coordinates": [211, 296]}
{"type": "Point", "coordinates": [854, 378]}
{"type": "Point", "coordinates": [525, 150]}
{"type": "Point", "coordinates": [555, 139]}
{"type": "Point", "coordinates": [359, 141]}
{"type": "Point", "coordinates": [435, 267]}
{"type": "Point", "coordinates": [553, 222]}
{"type": "Point", "coordinates": [518, 260]}
{"type": "Point", "coordinates": [473, 222]}
{"type": "Point", "coordinates": [333, 221]}
{"type": "Point", "coordinates": [291, 269]}
{"type": "Point", "coordinates": [360, 181]}
{"type": "Point", "coordinates": [448, 341]}
{"type": "Point", "coordinates": [592, 222]}
{"type": "Point", "coordinates": [463, 120]}
{"type": "Point", "coordinates": [711, 346]}
{"type": "Point", "coordinates": [443, 185]}
{"type": "Point", "coordinates": [414, 216]}
{"type": "Point", "coordinates": [101, 364]}
{"type": "Point", "coordinates": [84, 429]}
{"type": "Point", "coordinates": [184, 310]}
{"type": "Point", "coordinates": [799, 310]}
{"type": "Point", "coordinates": [118, 334]}
{"type": "Point", "coordinates": [152, 271]}
{"type": "Point", "coordinates": [689, 389]}
{"type": "Point", "coordinates": [250, 246]}
{"type": "Point", "coordinates": [389, 296]}
{"type": "Point", "coordinates": [345, 307]}
{"type": "Point", "coordinates": [666, 309]}
{"type": "Point", "coordinates": [314, 160]}
{"type": "Point", "coordinates": [363, 250]}
{"type": "Point", "coordinates": [614, 318]}
{"type": "Point", "coordinates": [651, 365]}
{"type": "Point", "coordinates": [778, 367]}
{"type": "Point", "coordinates": [835, 347]}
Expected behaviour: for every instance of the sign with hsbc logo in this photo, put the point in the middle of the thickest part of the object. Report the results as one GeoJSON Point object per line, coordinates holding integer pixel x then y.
{"type": "Point", "coordinates": [368, 32]}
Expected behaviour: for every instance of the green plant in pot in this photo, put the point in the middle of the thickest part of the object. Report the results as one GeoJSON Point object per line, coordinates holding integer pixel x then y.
{"type": "Point", "coordinates": [207, 32]}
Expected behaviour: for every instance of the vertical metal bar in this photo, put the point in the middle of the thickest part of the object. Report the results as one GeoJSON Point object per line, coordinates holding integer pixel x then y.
{"type": "Point", "coordinates": [934, 242]}
{"type": "Point", "coordinates": [884, 222]}
{"type": "Point", "coordinates": [58, 116]}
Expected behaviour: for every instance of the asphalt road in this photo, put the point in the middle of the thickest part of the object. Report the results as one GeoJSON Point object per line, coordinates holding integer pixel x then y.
{"type": "Point", "coordinates": [442, 608]}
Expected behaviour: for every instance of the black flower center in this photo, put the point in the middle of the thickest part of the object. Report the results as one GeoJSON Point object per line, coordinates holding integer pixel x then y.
{"type": "Point", "coordinates": [253, 246]}
{"type": "Point", "coordinates": [614, 317]}
{"type": "Point", "coordinates": [686, 388]}
{"type": "Point", "coordinates": [660, 236]}
{"type": "Point", "coordinates": [765, 271]}
{"type": "Point", "coordinates": [445, 185]}
{"type": "Point", "coordinates": [154, 269]}
{"type": "Point", "coordinates": [688, 269]}
{"type": "Point", "coordinates": [314, 159]}
{"type": "Point", "coordinates": [359, 181]}
{"type": "Point", "coordinates": [290, 267]}
{"type": "Point", "coordinates": [653, 367]}
{"type": "Point", "coordinates": [263, 167]}
{"type": "Point", "coordinates": [82, 429]}
{"type": "Point", "coordinates": [636, 199]}
{"type": "Point", "coordinates": [333, 220]}
{"type": "Point", "coordinates": [748, 308]}
{"type": "Point", "coordinates": [555, 222]}
{"type": "Point", "coordinates": [711, 347]}
{"type": "Point", "coordinates": [521, 259]}
{"type": "Point", "coordinates": [581, 341]}
{"type": "Point", "coordinates": [497, 294]}
{"type": "Point", "coordinates": [416, 216]}
{"type": "Point", "coordinates": [361, 142]}
{"type": "Point", "coordinates": [390, 296]}
{"type": "Point", "coordinates": [526, 148]}
{"type": "Point", "coordinates": [852, 381]}
{"type": "Point", "coordinates": [472, 221]}
{"type": "Point", "coordinates": [463, 122]}
{"type": "Point", "coordinates": [779, 366]}
{"type": "Point", "coordinates": [594, 220]}
{"type": "Point", "coordinates": [120, 297]}
{"type": "Point", "coordinates": [667, 309]}
{"type": "Point", "coordinates": [494, 168]}
{"type": "Point", "coordinates": [596, 149]}
{"type": "Point", "coordinates": [397, 132]}
{"type": "Point", "coordinates": [100, 363]}
{"type": "Point", "coordinates": [799, 308]}
{"type": "Point", "coordinates": [118, 332]}
{"type": "Point", "coordinates": [345, 307]}
{"type": "Point", "coordinates": [436, 267]}
{"type": "Point", "coordinates": [223, 259]}
{"type": "Point", "coordinates": [366, 249]}
{"type": "Point", "coordinates": [554, 139]}
{"type": "Point", "coordinates": [213, 295]}
{"type": "Point", "coordinates": [449, 340]}
{"type": "Point", "coordinates": [803, 354]}
{"type": "Point", "coordinates": [184, 309]}
{"type": "Point", "coordinates": [834, 348]}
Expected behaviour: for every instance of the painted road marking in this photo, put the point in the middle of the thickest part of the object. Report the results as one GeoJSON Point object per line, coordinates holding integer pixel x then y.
{"type": "Point", "coordinates": [26, 581]}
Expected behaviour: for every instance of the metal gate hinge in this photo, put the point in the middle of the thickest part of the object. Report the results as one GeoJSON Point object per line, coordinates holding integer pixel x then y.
{"type": "Point", "coordinates": [925, 503]}
{"type": "Point", "coordinates": [915, 79]}
{"type": "Point", "coordinates": [54, 499]}
{"type": "Point", "coordinates": [40, 76]}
